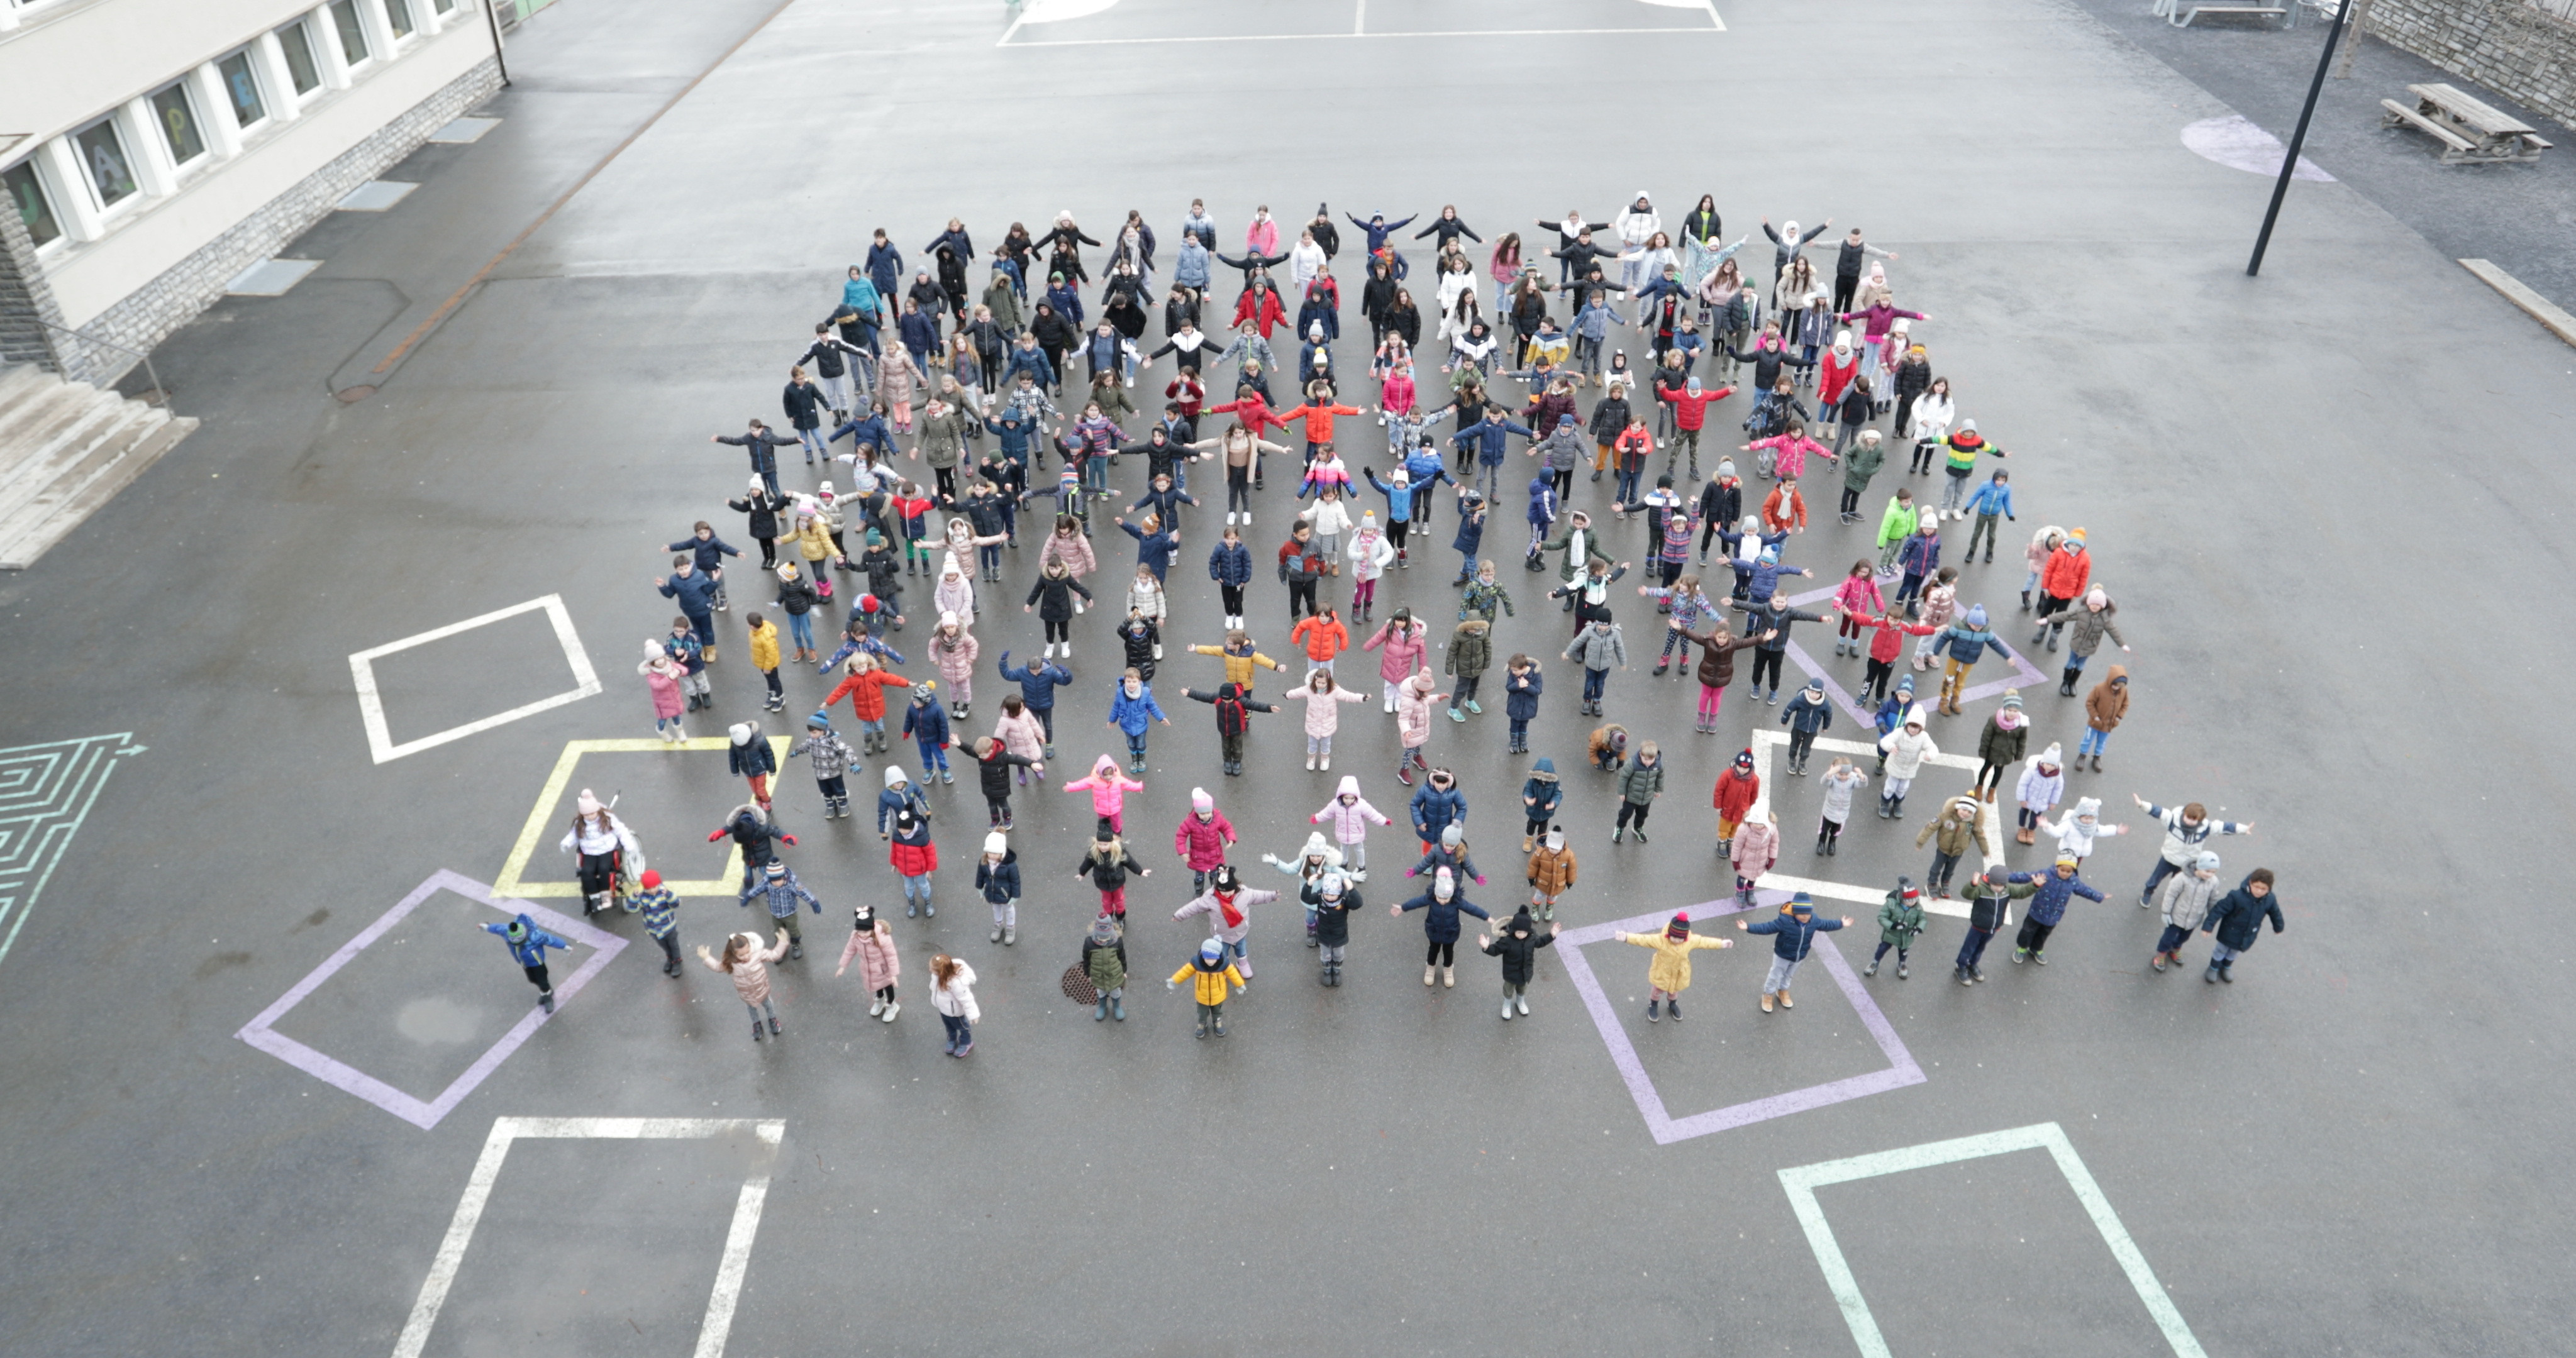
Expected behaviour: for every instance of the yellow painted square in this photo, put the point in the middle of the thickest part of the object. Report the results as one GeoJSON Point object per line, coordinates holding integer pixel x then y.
{"type": "Point", "coordinates": [550, 800]}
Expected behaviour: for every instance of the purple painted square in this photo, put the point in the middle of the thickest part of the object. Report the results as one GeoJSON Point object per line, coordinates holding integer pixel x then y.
{"type": "Point", "coordinates": [1901, 1071]}
{"type": "Point", "coordinates": [425, 1114]}
{"type": "Point", "coordinates": [2024, 675]}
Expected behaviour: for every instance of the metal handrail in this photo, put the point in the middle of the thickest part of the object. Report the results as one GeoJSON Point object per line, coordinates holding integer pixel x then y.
{"type": "Point", "coordinates": [161, 394]}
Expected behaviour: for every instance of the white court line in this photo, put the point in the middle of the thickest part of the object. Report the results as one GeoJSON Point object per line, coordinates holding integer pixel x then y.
{"type": "Point", "coordinates": [371, 706]}
{"type": "Point", "coordinates": [1359, 19]}
{"type": "Point", "coordinates": [1764, 742]}
{"type": "Point", "coordinates": [487, 1169]}
{"type": "Point", "coordinates": [1802, 1182]}
{"type": "Point", "coordinates": [1338, 37]}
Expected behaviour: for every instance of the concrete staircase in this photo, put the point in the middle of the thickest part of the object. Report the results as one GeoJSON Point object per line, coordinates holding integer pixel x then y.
{"type": "Point", "coordinates": [66, 448]}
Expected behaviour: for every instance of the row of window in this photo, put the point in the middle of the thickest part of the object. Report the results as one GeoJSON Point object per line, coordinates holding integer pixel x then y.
{"type": "Point", "coordinates": [109, 163]}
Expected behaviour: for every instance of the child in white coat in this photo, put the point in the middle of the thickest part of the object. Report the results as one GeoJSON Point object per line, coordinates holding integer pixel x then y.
{"type": "Point", "coordinates": [2078, 828]}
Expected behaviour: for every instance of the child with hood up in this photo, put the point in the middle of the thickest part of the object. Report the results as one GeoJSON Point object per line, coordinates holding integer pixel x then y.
{"type": "Point", "coordinates": [1108, 864]}
{"type": "Point", "coordinates": [1551, 873]}
{"type": "Point", "coordinates": [1793, 934]}
{"type": "Point", "coordinates": [1108, 789]}
{"type": "Point", "coordinates": [1104, 965]}
{"type": "Point", "coordinates": [1639, 786]}
{"type": "Point", "coordinates": [1540, 796]}
{"type": "Point", "coordinates": [1228, 903]}
{"type": "Point", "coordinates": [746, 964]}
{"type": "Point", "coordinates": [1323, 697]}
{"type": "Point", "coordinates": [872, 943]}
{"type": "Point", "coordinates": [1442, 905]}
{"type": "Point", "coordinates": [1132, 709]}
{"type": "Point", "coordinates": [2040, 787]}
{"type": "Point", "coordinates": [1518, 946]}
{"type": "Point", "coordinates": [997, 875]}
{"type": "Point", "coordinates": [1309, 867]}
{"type": "Point", "coordinates": [1209, 973]}
{"type": "Point", "coordinates": [1754, 851]}
{"type": "Point", "coordinates": [1202, 838]}
{"type": "Point", "coordinates": [1608, 747]}
{"type": "Point", "coordinates": [1351, 814]}
{"type": "Point", "coordinates": [1413, 701]}
{"type": "Point", "coordinates": [1905, 750]}
{"type": "Point", "coordinates": [1843, 779]}
{"type": "Point", "coordinates": [1522, 686]}
{"type": "Point", "coordinates": [1471, 653]}
{"type": "Point", "coordinates": [1900, 922]}
{"type": "Point", "coordinates": [1142, 639]}
{"type": "Point", "coordinates": [2079, 827]}
{"type": "Point", "coordinates": [662, 682]}
{"type": "Point", "coordinates": [927, 723]}
{"type": "Point", "coordinates": [1669, 973]}
{"type": "Point", "coordinates": [2104, 708]}
{"type": "Point", "coordinates": [1953, 835]}
{"type": "Point", "coordinates": [2186, 900]}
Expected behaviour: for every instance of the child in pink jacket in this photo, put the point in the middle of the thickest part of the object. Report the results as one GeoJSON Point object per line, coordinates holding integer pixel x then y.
{"type": "Point", "coordinates": [1201, 839]}
{"type": "Point", "coordinates": [1350, 814]}
{"type": "Point", "coordinates": [1757, 848]}
{"type": "Point", "coordinates": [1323, 697]}
{"type": "Point", "coordinates": [1402, 646]}
{"type": "Point", "coordinates": [1108, 788]}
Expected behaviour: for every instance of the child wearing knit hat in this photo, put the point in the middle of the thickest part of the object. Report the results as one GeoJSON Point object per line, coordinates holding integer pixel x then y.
{"type": "Point", "coordinates": [1793, 933]}
{"type": "Point", "coordinates": [1669, 973]}
{"type": "Point", "coordinates": [997, 875]}
{"type": "Point", "coordinates": [1900, 922]}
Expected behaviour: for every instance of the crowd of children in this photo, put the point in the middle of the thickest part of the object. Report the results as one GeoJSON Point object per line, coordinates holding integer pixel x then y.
{"type": "Point", "coordinates": [926, 415]}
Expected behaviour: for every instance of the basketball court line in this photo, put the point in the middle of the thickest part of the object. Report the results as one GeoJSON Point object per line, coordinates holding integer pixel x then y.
{"type": "Point", "coordinates": [540, 819]}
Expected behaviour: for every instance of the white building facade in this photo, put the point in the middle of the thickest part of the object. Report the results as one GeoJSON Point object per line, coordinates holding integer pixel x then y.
{"type": "Point", "coordinates": [153, 149]}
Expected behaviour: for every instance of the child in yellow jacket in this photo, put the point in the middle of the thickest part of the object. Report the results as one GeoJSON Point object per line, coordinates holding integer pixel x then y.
{"type": "Point", "coordinates": [1670, 973]}
{"type": "Point", "coordinates": [764, 658]}
{"type": "Point", "coordinates": [1214, 973]}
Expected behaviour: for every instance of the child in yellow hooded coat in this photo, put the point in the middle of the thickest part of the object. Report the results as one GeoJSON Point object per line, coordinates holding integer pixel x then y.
{"type": "Point", "coordinates": [1670, 973]}
{"type": "Point", "coordinates": [1214, 972]}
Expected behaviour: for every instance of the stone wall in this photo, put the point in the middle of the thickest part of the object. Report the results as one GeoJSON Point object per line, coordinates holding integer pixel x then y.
{"type": "Point", "coordinates": [2510, 46]}
{"type": "Point", "coordinates": [154, 311]}
{"type": "Point", "coordinates": [25, 299]}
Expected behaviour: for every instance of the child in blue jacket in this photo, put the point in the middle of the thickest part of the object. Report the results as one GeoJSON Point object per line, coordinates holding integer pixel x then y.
{"type": "Point", "coordinates": [1038, 683]}
{"type": "Point", "coordinates": [528, 944]}
{"type": "Point", "coordinates": [927, 723]}
{"type": "Point", "coordinates": [1793, 933]}
{"type": "Point", "coordinates": [1521, 688]}
{"type": "Point", "coordinates": [1132, 709]}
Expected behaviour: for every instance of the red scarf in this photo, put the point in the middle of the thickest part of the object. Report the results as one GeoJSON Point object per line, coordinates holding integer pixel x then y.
{"type": "Point", "coordinates": [1225, 907]}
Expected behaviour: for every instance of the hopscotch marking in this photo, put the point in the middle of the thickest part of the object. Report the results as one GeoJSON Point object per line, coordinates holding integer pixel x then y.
{"type": "Point", "coordinates": [1902, 1070]}
{"type": "Point", "coordinates": [1802, 1182]}
{"type": "Point", "coordinates": [542, 818]}
{"type": "Point", "coordinates": [46, 793]}
{"type": "Point", "coordinates": [487, 1168]}
{"type": "Point", "coordinates": [2024, 675]}
{"type": "Point", "coordinates": [371, 706]}
{"type": "Point", "coordinates": [426, 1114]}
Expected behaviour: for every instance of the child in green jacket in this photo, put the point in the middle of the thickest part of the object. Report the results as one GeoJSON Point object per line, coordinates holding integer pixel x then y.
{"type": "Point", "coordinates": [1900, 922]}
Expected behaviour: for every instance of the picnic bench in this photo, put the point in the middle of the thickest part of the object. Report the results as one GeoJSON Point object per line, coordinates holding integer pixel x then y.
{"type": "Point", "coordinates": [2471, 132]}
{"type": "Point", "coordinates": [2180, 14]}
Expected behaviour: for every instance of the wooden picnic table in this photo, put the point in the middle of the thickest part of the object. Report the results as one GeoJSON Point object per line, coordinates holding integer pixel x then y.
{"type": "Point", "coordinates": [2470, 130]}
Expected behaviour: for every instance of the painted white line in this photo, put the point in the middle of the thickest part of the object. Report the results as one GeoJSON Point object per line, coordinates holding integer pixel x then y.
{"type": "Point", "coordinates": [1337, 37]}
{"type": "Point", "coordinates": [371, 706]}
{"type": "Point", "coordinates": [1802, 1182]}
{"type": "Point", "coordinates": [1359, 20]}
{"type": "Point", "coordinates": [487, 1168]}
{"type": "Point", "coordinates": [1764, 742]}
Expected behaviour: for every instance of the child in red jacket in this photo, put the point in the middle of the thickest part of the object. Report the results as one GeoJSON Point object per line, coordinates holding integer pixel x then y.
{"type": "Point", "coordinates": [914, 858]}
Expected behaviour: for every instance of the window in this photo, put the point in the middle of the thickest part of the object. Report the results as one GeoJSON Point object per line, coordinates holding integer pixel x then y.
{"type": "Point", "coordinates": [242, 87]}
{"type": "Point", "coordinates": [296, 41]}
{"type": "Point", "coordinates": [443, 6]}
{"type": "Point", "coordinates": [102, 155]}
{"type": "Point", "coordinates": [398, 15]}
{"type": "Point", "coordinates": [35, 208]}
{"type": "Point", "coordinates": [353, 35]}
{"type": "Point", "coordinates": [178, 119]}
